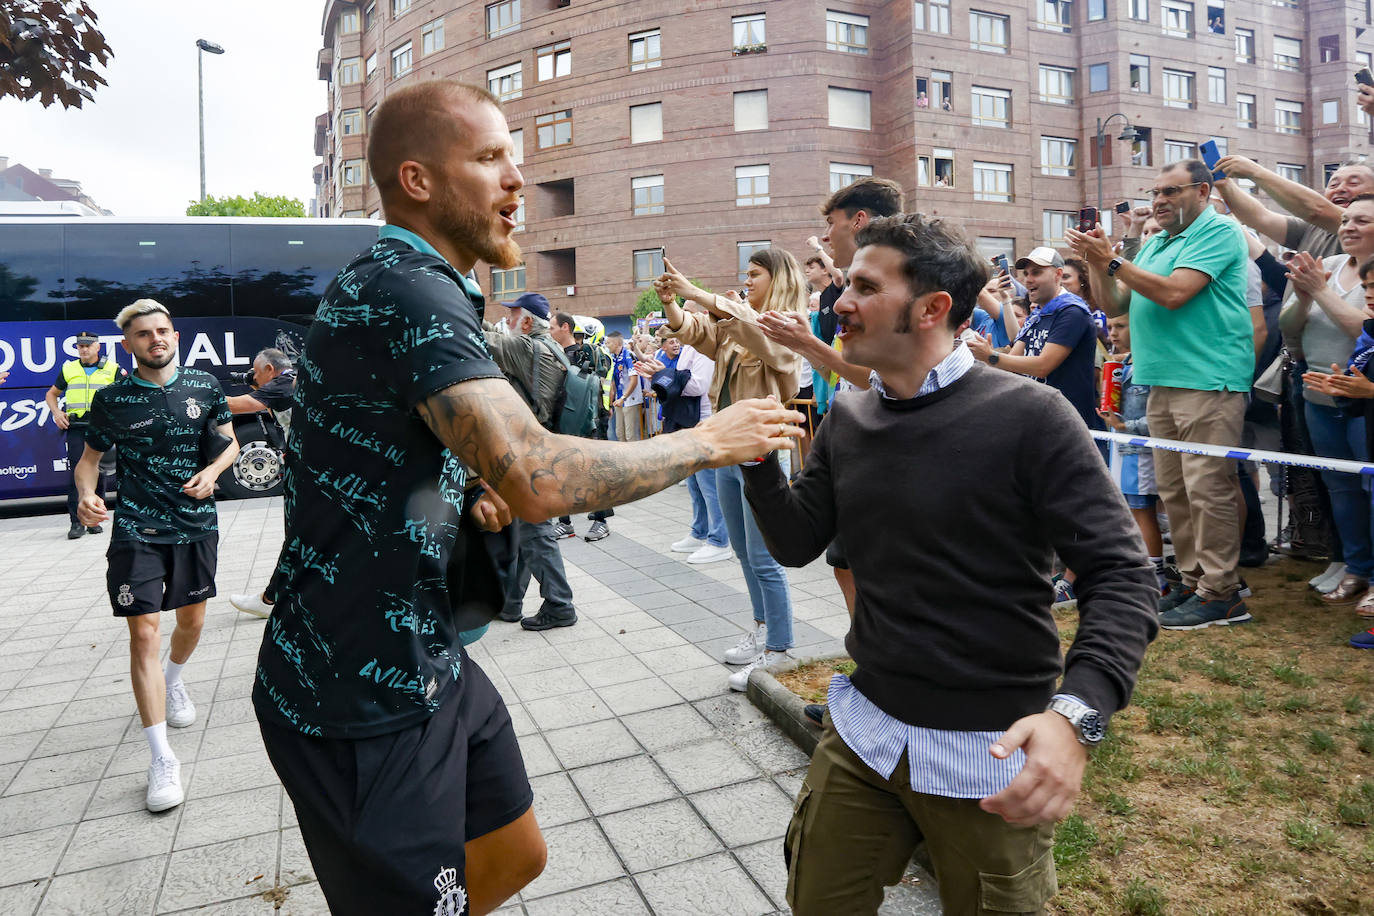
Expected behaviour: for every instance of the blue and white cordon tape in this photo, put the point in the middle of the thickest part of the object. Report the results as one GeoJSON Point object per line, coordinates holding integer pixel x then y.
{"type": "Point", "coordinates": [1240, 454]}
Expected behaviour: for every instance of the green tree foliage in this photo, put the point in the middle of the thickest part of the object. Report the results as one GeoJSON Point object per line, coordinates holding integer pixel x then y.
{"type": "Point", "coordinates": [259, 205]}
{"type": "Point", "coordinates": [48, 51]}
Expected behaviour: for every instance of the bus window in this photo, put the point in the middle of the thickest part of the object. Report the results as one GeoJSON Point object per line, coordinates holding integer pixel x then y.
{"type": "Point", "coordinates": [185, 267]}
{"type": "Point", "coordinates": [30, 273]}
{"type": "Point", "coordinates": [283, 270]}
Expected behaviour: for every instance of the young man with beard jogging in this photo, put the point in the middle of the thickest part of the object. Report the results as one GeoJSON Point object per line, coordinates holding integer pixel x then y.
{"type": "Point", "coordinates": [397, 752]}
{"type": "Point", "coordinates": [175, 438]}
{"type": "Point", "coordinates": [951, 729]}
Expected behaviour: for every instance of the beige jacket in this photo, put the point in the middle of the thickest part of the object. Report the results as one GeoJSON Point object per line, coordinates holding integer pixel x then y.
{"type": "Point", "coordinates": [752, 365]}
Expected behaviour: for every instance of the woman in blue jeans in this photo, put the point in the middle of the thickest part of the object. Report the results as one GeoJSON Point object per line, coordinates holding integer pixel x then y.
{"type": "Point", "coordinates": [1326, 306]}
{"type": "Point", "coordinates": [748, 365]}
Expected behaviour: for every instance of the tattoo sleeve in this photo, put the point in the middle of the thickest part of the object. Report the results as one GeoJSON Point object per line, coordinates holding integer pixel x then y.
{"type": "Point", "coordinates": [543, 474]}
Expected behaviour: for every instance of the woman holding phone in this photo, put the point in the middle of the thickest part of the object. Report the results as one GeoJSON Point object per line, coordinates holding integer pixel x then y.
{"type": "Point", "coordinates": [748, 365]}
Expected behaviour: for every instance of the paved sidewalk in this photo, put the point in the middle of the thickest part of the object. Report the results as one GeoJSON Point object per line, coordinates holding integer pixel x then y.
{"type": "Point", "coordinates": [659, 790]}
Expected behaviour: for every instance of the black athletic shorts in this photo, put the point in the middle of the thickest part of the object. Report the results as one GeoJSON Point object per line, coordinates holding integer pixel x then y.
{"type": "Point", "coordinates": [834, 555]}
{"type": "Point", "coordinates": [145, 578]}
{"type": "Point", "coordinates": [385, 818]}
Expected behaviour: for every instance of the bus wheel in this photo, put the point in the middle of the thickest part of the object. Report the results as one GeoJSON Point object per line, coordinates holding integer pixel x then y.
{"type": "Point", "coordinates": [257, 471]}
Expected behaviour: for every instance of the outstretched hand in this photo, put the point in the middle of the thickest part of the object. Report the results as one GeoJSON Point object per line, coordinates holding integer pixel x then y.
{"type": "Point", "coordinates": [1047, 786]}
{"type": "Point", "coordinates": [749, 429]}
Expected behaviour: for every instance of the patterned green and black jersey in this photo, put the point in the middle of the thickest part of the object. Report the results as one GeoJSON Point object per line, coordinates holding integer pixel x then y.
{"type": "Point", "coordinates": [361, 641]}
{"type": "Point", "coordinates": [161, 431]}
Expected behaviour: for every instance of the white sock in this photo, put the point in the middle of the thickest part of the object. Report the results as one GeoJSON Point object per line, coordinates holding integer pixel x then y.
{"type": "Point", "coordinates": [1331, 572]}
{"type": "Point", "coordinates": [173, 672]}
{"type": "Point", "coordinates": [1158, 564]}
{"type": "Point", "coordinates": [157, 740]}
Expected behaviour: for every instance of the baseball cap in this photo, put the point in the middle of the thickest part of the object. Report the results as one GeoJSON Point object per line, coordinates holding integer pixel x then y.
{"type": "Point", "coordinates": [1041, 257]}
{"type": "Point", "coordinates": [86, 337]}
{"type": "Point", "coordinates": [534, 303]}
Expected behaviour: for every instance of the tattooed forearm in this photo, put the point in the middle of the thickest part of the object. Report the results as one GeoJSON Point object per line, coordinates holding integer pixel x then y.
{"type": "Point", "coordinates": [541, 474]}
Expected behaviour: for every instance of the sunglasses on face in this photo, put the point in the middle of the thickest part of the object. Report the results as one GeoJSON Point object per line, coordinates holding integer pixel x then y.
{"type": "Point", "coordinates": [1172, 190]}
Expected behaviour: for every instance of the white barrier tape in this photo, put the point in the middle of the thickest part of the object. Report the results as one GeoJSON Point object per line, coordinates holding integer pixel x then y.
{"type": "Point", "coordinates": [1240, 454]}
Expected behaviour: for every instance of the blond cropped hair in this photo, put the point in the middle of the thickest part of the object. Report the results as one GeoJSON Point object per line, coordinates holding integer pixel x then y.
{"type": "Point", "coordinates": [138, 309]}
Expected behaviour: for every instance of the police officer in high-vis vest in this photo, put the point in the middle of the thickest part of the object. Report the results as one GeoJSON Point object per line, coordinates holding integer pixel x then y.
{"type": "Point", "coordinates": [77, 384]}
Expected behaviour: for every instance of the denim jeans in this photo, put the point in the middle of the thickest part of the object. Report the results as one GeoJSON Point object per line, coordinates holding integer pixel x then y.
{"type": "Point", "coordinates": [707, 522]}
{"type": "Point", "coordinates": [1334, 435]}
{"type": "Point", "coordinates": [763, 575]}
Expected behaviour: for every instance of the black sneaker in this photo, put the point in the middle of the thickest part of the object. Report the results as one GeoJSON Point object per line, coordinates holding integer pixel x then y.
{"type": "Point", "coordinates": [94, 529]}
{"type": "Point", "coordinates": [75, 532]}
{"type": "Point", "coordinates": [545, 621]}
{"type": "Point", "coordinates": [1177, 595]}
{"type": "Point", "coordinates": [597, 531]}
{"type": "Point", "coordinates": [510, 616]}
{"type": "Point", "coordinates": [815, 712]}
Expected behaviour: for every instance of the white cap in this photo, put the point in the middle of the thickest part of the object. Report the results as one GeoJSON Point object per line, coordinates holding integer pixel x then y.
{"type": "Point", "coordinates": [1041, 257]}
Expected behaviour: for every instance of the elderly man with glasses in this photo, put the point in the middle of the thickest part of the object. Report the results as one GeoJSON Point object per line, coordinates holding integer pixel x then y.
{"type": "Point", "coordinates": [1192, 342]}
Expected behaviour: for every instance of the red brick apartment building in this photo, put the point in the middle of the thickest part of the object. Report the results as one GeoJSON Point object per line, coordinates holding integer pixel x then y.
{"type": "Point", "coordinates": [713, 127]}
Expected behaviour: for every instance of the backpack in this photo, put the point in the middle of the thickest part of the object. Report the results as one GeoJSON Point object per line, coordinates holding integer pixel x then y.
{"type": "Point", "coordinates": [574, 408]}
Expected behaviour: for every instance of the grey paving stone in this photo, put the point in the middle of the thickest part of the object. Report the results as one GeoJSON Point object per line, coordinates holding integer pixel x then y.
{"type": "Point", "coordinates": [223, 871]}
{"type": "Point", "coordinates": [622, 784]}
{"type": "Point", "coordinates": [598, 648]}
{"type": "Point", "coordinates": [295, 861]}
{"type": "Point", "coordinates": [700, 683]}
{"type": "Point", "coordinates": [107, 840]}
{"type": "Point", "coordinates": [16, 721]}
{"type": "Point", "coordinates": [578, 856]}
{"type": "Point", "coordinates": [628, 622]}
{"type": "Point", "coordinates": [574, 709]}
{"type": "Point", "coordinates": [596, 742]}
{"type": "Point", "coordinates": [21, 899]}
{"type": "Point", "coordinates": [765, 864]}
{"type": "Point", "coordinates": [120, 888]}
{"type": "Point", "coordinates": [613, 671]}
{"type": "Point", "coordinates": [659, 835]}
{"type": "Point", "coordinates": [529, 660]}
{"type": "Point", "coordinates": [675, 658]}
{"type": "Point", "coordinates": [24, 697]}
{"type": "Point", "coordinates": [745, 813]}
{"type": "Point", "coordinates": [665, 728]}
{"type": "Point", "coordinates": [83, 737]}
{"type": "Point", "coordinates": [45, 808]}
{"type": "Point", "coordinates": [637, 696]}
{"type": "Point", "coordinates": [707, 628]}
{"type": "Point", "coordinates": [217, 818]}
{"type": "Point", "coordinates": [556, 800]}
{"type": "Point", "coordinates": [658, 637]}
{"type": "Point", "coordinates": [659, 599]}
{"type": "Point", "coordinates": [715, 884]}
{"type": "Point", "coordinates": [537, 756]}
{"type": "Point", "coordinates": [126, 792]}
{"type": "Point", "coordinates": [639, 587]}
{"type": "Point", "coordinates": [614, 898]}
{"type": "Point", "coordinates": [731, 712]}
{"type": "Point", "coordinates": [705, 765]}
{"type": "Point", "coordinates": [32, 856]}
{"type": "Point", "coordinates": [551, 682]}
{"type": "Point", "coordinates": [679, 613]}
{"type": "Point", "coordinates": [97, 709]}
{"type": "Point", "coordinates": [18, 748]}
{"type": "Point", "coordinates": [234, 773]}
{"type": "Point", "coordinates": [708, 590]}
{"type": "Point", "coordinates": [772, 751]}
{"type": "Point", "coordinates": [229, 740]}
{"type": "Point", "coordinates": [64, 770]}
{"type": "Point", "coordinates": [305, 900]}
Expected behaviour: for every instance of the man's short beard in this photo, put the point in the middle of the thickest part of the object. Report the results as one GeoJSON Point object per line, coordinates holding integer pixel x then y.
{"type": "Point", "coordinates": [470, 229]}
{"type": "Point", "coordinates": [159, 363]}
{"type": "Point", "coordinates": [904, 324]}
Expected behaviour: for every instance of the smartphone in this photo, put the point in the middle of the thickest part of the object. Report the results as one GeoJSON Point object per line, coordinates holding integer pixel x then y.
{"type": "Point", "coordinates": [662, 253]}
{"type": "Point", "coordinates": [1087, 219]}
{"type": "Point", "coordinates": [1003, 265]}
{"type": "Point", "coordinates": [1124, 207]}
{"type": "Point", "coordinates": [1211, 156]}
{"type": "Point", "coordinates": [1364, 77]}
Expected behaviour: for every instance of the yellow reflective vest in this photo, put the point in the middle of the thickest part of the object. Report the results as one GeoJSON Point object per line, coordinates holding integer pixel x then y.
{"type": "Point", "coordinates": [81, 388]}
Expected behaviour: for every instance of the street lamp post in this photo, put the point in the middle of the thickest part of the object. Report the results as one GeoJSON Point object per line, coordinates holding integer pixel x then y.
{"type": "Point", "coordinates": [1128, 134]}
{"type": "Point", "coordinates": [213, 48]}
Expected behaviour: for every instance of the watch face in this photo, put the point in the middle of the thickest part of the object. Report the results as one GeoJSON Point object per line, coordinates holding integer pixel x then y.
{"type": "Point", "coordinates": [1092, 728]}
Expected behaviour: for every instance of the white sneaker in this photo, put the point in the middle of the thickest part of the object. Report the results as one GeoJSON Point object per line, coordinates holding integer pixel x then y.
{"type": "Point", "coordinates": [251, 604]}
{"type": "Point", "coordinates": [750, 648]}
{"type": "Point", "coordinates": [740, 679]}
{"type": "Point", "coordinates": [688, 544]}
{"type": "Point", "coordinates": [709, 554]}
{"type": "Point", "coordinates": [181, 712]}
{"type": "Point", "coordinates": [164, 784]}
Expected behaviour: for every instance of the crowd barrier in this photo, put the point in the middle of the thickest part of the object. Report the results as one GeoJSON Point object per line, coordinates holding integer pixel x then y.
{"type": "Point", "coordinates": [1240, 454]}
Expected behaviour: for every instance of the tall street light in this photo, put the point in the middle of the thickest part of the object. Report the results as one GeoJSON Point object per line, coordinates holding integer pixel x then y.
{"type": "Point", "coordinates": [1129, 134]}
{"type": "Point", "coordinates": [212, 48]}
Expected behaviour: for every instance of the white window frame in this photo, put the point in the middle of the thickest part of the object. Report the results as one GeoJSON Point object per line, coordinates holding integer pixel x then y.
{"type": "Point", "coordinates": [1054, 15]}
{"type": "Point", "coordinates": [507, 82]}
{"type": "Point", "coordinates": [402, 60]}
{"type": "Point", "coordinates": [643, 199]}
{"type": "Point", "coordinates": [1331, 111]}
{"type": "Point", "coordinates": [742, 252]}
{"type": "Point", "coordinates": [400, 8]}
{"type": "Point", "coordinates": [1287, 53]}
{"type": "Point", "coordinates": [1247, 100]}
{"type": "Point", "coordinates": [1287, 116]}
{"type": "Point", "coordinates": [432, 36]}
{"type": "Point", "coordinates": [553, 61]}
{"type": "Point", "coordinates": [510, 280]}
{"type": "Point", "coordinates": [1050, 220]}
{"type": "Point", "coordinates": [517, 144]}
{"type": "Point", "coordinates": [1099, 68]}
{"type": "Point", "coordinates": [942, 155]}
{"type": "Point", "coordinates": [651, 45]}
{"type": "Point", "coordinates": [350, 122]}
{"type": "Point", "coordinates": [354, 173]}
{"type": "Point", "coordinates": [550, 121]}
{"type": "Point", "coordinates": [371, 67]}
{"type": "Point", "coordinates": [749, 104]}
{"type": "Point", "coordinates": [350, 21]}
{"type": "Point", "coordinates": [646, 264]}
{"type": "Point", "coordinates": [1179, 18]}
{"type": "Point", "coordinates": [1140, 10]}
{"type": "Point", "coordinates": [1065, 77]}
{"type": "Point", "coordinates": [1138, 64]}
{"type": "Point", "coordinates": [850, 109]}
{"type": "Point", "coordinates": [985, 29]}
{"type": "Point", "coordinates": [1180, 88]}
{"type": "Point", "coordinates": [350, 66]}
{"type": "Point", "coordinates": [1245, 46]}
{"type": "Point", "coordinates": [1178, 150]}
{"type": "Point", "coordinates": [846, 32]}
{"type": "Point", "coordinates": [843, 174]}
{"type": "Point", "coordinates": [1216, 85]}
{"type": "Point", "coordinates": [1058, 156]}
{"type": "Point", "coordinates": [990, 107]}
{"type": "Point", "coordinates": [932, 16]}
{"type": "Point", "coordinates": [1002, 189]}
{"type": "Point", "coordinates": [502, 17]}
{"type": "Point", "coordinates": [646, 122]}
{"type": "Point", "coordinates": [1292, 171]}
{"type": "Point", "coordinates": [751, 185]}
{"type": "Point", "coordinates": [749, 32]}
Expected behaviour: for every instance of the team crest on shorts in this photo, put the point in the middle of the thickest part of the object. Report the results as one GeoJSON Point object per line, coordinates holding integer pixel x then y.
{"type": "Point", "coordinates": [453, 900]}
{"type": "Point", "coordinates": [125, 596]}
{"type": "Point", "coordinates": [192, 409]}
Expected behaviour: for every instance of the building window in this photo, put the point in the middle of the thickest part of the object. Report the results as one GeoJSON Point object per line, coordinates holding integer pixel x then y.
{"type": "Point", "coordinates": [646, 195]}
{"type": "Point", "coordinates": [519, 216]}
{"type": "Point", "coordinates": [1287, 53]}
{"type": "Point", "coordinates": [751, 185]}
{"type": "Point", "coordinates": [1139, 73]}
{"type": "Point", "coordinates": [743, 252]}
{"type": "Point", "coordinates": [1216, 85]}
{"type": "Point", "coordinates": [843, 174]}
{"type": "Point", "coordinates": [1294, 173]}
{"type": "Point", "coordinates": [987, 32]}
{"type": "Point", "coordinates": [1223, 146]}
{"type": "Point", "coordinates": [1331, 111]}
{"type": "Point", "coordinates": [648, 264]}
{"type": "Point", "coordinates": [1056, 85]}
{"type": "Point", "coordinates": [851, 108]}
{"type": "Point", "coordinates": [942, 89]}
{"type": "Point", "coordinates": [991, 246]}
{"type": "Point", "coordinates": [400, 61]}
{"type": "Point", "coordinates": [1245, 110]}
{"type": "Point", "coordinates": [1245, 46]}
{"type": "Point", "coordinates": [1099, 77]}
{"type": "Point", "coordinates": [1140, 147]}
{"type": "Point", "coordinates": [503, 17]}
{"type": "Point", "coordinates": [751, 110]}
{"type": "Point", "coordinates": [1056, 15]}
{"type": "Point", "coordinates": [354, 173]}
{"type": "Point", "coordinates": [1054, 222]}
{"type": "Point", "coordinates": [646, 122]}
{"type": "Point", "coordinates": [990, 107]}
{"type": "Point", "coordinates": [371, 64]}
{"type": "Point", "coordinates": [348, 71]}
{"type": "Point", "coordinates": [1058, 156]}
{"type": "Point", "coordinates": [1290, 4]}
{"type": "Point", "coordinates": [351, 121]}
{"type": "Point", "coordinates": [747, 33]}
{"type": "Point", "coordinates": [554, 129]}
{"type": "Point", "coordinates": [645, 50]}
{"type": "Point", "coordinates": [507, 281]}
{"type": "Point", "coordinates": [1178, 89]}
{"type": "Point", "coordinates": [1287, 116]}
{"type": "Point", "coordinates": [1178, 150]}
{"type": "Point", "coordinates": [431, 37]}
{"type": "Point", "coordinates": [1328, 171]}
{"type": "Point", "coordinates": [846, 32]}
{"type": "Point", "coordinates": [944, 168]}
{"type": "Point", "coordinates": [932, 16]}
{"type": "Point", "coordinates": [923, 171]}
{"type": "Point", "coordinates": [554, 60]}
{"type": "Point", "coordinates": [1140, 9]}
{"type": "Point", "coordinates": [399, 8]}
{"type": "Point", "coordinates": [506, 82]}
{"type": "Point", "coordinates": [370, 16]}
{"type": "Point", "coordinates": [992, 181]}
{"type": "Point", "coordinates": [1329, 48]}
{"type": "Point", "coordinates": [1178, 18]}
{"type": "Point", "coordinates": [1097, 9]}
{"type": "Point", "coordinates": [517, 146]}
{"type": "Point", "coordinates": [349, 21]}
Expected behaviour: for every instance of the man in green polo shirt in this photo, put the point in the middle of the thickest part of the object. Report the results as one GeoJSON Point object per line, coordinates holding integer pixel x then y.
{"type": "Point", "coordinates": [1192, 342]}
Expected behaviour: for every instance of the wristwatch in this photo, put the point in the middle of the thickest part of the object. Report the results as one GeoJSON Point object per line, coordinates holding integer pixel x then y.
{"type": "Point", "coordinates": [993, 358]}
{"type": "Point", "coordinates": [1084, 719]}
{"type": "Point", "coordinates": [1113, 266]}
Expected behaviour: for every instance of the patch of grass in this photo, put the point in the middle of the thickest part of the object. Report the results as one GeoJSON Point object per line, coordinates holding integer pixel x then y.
{"type": "Point", "coordinates": [1308, 835]}
{"type": "Point", "coordinates": [1356, 806]}
{"type": "Point", "coordinates": [1365, 739]}
{"type": "Point", "coordinates": [1291, 767]}
{"type": "Point", "coordinates": [1144, 899]}
{"type": "Point", "coordinates": [1074, 840]}
{"type": "Point", "coordinates": [1298, 702]}
{"type": "Point", "coordinates": [1354, 705]}
{"type": "Point", "coordinates": [1254, 701]}
{"type": "Point", "coordinates": [1120, 805]}
{"type": "Point", "coordinates": [1288, 673]}
{"type": "Point", "coordinates": [1319, 742]}
{"type": "Point", "coordinates": [1228, 667]}
{"type": "Point", "coordinates": [1190, 714]}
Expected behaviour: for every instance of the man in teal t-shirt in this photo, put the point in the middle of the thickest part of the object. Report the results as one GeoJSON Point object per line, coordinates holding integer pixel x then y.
{"type": "Point", "coordinates": [1192, 342]}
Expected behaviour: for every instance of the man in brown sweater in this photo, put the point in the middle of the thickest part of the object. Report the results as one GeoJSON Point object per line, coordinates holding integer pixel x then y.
{"type": "Point", "coordinates": [952, 485]}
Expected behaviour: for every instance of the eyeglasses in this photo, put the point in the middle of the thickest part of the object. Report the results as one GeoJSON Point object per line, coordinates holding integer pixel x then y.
{"type": "Point", "coordinates": [1171, 190]}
